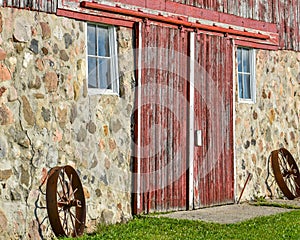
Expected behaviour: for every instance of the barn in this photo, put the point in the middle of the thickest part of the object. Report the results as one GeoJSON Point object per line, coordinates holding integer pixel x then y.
{"type": "Point", "coordinates": [159, 105]}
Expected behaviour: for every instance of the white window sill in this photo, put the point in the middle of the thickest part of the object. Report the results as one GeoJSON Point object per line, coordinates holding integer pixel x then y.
{"type": "Point", "coordinates": [247, 101]}
{"type": "Point", "coordinates": [93, 92]}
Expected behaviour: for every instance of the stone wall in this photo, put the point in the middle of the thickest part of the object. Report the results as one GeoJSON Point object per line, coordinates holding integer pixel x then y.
{"type": "Point", "coordinates": [272, 122]}
{"type": "Point", "coordinates": [47, 119]}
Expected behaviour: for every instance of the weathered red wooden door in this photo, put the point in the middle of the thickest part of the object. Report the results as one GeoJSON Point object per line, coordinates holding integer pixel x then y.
{"type": "Point", "coordinates": [213, 156]}
{"type": "Point", "coordinates": [184, 120]}
{"type": "Point", "coordinates": [161, 179]}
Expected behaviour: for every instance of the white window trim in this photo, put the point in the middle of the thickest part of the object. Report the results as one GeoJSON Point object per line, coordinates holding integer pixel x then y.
{"type": "Point", "coordinates": [114, 63]}
{"type": "Point", "coordinates": [252, 57]}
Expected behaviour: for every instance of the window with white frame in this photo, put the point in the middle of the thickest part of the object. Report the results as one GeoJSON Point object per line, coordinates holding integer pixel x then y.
{"type": "Point", "coordinates": [102, 59]}
{"type": "Point", "coordinates": [246, 74]}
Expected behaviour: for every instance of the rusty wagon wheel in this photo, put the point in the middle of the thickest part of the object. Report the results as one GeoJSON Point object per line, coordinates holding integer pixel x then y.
{"type": "Point", "coordinates": [65, 202]}
{"type": "Point", "coordinates": [286, 173]}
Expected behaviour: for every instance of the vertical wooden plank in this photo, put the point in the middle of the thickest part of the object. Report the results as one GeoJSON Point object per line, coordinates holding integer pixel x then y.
{"type": "Point", "coordinates": [16, 3]}
{"type": "Point", "coordinates": [177, 123]}
{"type": "Point", "coordinates": [148, 122]}
{"type": "Point", "coordinates": [155, 4]}
{"type": "Point", "coordinates": [162, 117]}
{"type": "Point", "coordinates": [166, 77]}
{"type": "Point", "coordinates": [144, 127]}
{"type": "Point", "coordinates": [34, 5]}
{"type": "Point", "coordinates": [21, 3]}
{"type": "Point", "coordinates": [9, 3]}
{"type": "Point", "coordinates": [275, 11]}
{"type": "Point", "coordinates": [203, 167]}
{"type": "Point", "coordinates": [206, 174]}
{"type": "Point", "coordinates": [152, 91]}
{"type": "Point", "coordinates": [183, 120]}
{"type": "Point", "coordinates": [157, 122]}
{"type": "Point", "coordinates": [287, 13]}
{"type": "Point", "coordinates": [199, 43]}
{"type": "Point", "coordinates": [204, 124]}
{"type": "Point", "coordinates": [170, 188]}
{"type": "Point", "coordinates": [294, 25]}
{"type": "Point", "coordinates": [270, 12]}
{"type": "Point", "coordinates": [262, 9]}
{"type": "Point", "coordinates": [191, 131]}
{"type": "Point", "coordinates": [175, 193]}
{"type": "Point", "coordinates": [137, 117]}
{"type": "Point", "coordinates": [218, 110]}
{"type": "Point", "coordinates": [211, 138]}
{"type": "Point", "coordinates": [229, 149]}
{"type": "Point", "coordinates": [54, 6]}
{"type": "Point", "coordinates": [177, 167]}
{"type": "Point", "coordinates": [197, 106]}
{"type": "Point", "coordinates": [231, 6]}
{"type": "Point", "coordinates": [222, 89]}
{"type": "Point", "coordinates": [214, 119]}
{"type": "Point", "coordinates": [255, 10]}
{"type": "Point", "coordinates": [139, 130]}
{"type": "Point", "coordinates": [281, 22]}
{"type": "Point", "coordinates": [298, 24]}
{"type": "Point", "coordinates": [226, 161]}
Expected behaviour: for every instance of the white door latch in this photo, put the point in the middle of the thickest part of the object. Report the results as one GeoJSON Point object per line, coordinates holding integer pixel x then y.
{"type": "Point", "coordinates": [198, 139]}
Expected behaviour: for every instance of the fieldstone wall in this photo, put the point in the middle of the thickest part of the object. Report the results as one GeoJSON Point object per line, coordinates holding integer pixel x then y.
{"type": "Point", "coordinates": [47, 118]}
{"type": "Point", "coordinates": [272, 122]}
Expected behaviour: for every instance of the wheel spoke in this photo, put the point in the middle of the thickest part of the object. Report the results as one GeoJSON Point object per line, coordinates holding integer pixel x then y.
{"type": "Point", "coordinates": [291, 185]}
{"type": "Point", "coordinates": [70, 187]}
{"type": "Point", "coordinates": [67, 226]}
{"type": "Point", "coordinates": [72, 221]}
{"type": "Point", "coordinates": [60, 196]}
{"type": "Point", "coordinates": [62, 185]}
{"type": "Point", "coordinates": [282, 163]}
{"type": "Point", "coordinates": [65, 220]}
{"type": "Point", "coordinates": [73, 194]}
{"type": "Point", "coordinates": [75, 218]}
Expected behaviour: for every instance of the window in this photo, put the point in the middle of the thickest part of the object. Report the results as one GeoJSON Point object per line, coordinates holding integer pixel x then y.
{"type": "Point", "coordinates": [246, 74]}
{"type": "Point", "coordinates": [102, 59]}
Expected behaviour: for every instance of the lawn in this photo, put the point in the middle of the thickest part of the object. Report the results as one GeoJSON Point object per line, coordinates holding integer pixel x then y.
{"type": "Point", "coordinates": [280, 226]}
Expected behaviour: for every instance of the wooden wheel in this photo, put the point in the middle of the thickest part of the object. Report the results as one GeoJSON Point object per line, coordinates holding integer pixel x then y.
{"type": "Point", "coordinates": [65, 202]}
{"type": "Point", "coordinates": [286, 173]}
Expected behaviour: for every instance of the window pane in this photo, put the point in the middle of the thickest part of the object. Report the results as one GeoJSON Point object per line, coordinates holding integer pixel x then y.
{"type": "Point", "coordinates": [247, 86]}
{"type": "Point", "coordinates": [92, 68]}
{"type": "Point", "coordinates": [240, 60]}
{"type": "Point", "coordinates": [246, 63]}
{"type": "Point", "coordinates": [103, 42]}
{"type": "Point", "coordinates": [240, 85]}
{"type": "Point", "coordinates": [104, 73]}
{"type": "Point", "coordinates": [91, 38]}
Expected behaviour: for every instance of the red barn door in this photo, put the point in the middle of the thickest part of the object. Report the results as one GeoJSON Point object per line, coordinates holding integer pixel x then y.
{"type": "Point", "coordinates": [183, 132]}
{"type": "Point", "coordinates": [213, 121]}
{"type": "Point", "coordinates": [162, 108]}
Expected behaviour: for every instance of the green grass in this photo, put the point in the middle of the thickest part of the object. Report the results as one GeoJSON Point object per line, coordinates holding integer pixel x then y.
{"type": "Point", "coordinates": [280, 226]}
{"type": "Point", "coordinates": [271, 204]}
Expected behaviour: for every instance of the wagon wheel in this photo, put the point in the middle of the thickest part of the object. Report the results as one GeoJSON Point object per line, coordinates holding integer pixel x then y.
{"type": "Point", "coordinates": [286, 173]}
{"type": "Point", "coordinates": [65, 202]}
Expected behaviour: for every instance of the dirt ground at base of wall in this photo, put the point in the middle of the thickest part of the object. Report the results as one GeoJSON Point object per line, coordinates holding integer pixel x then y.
{"type": "Point", "coordinates": [235, 213]}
